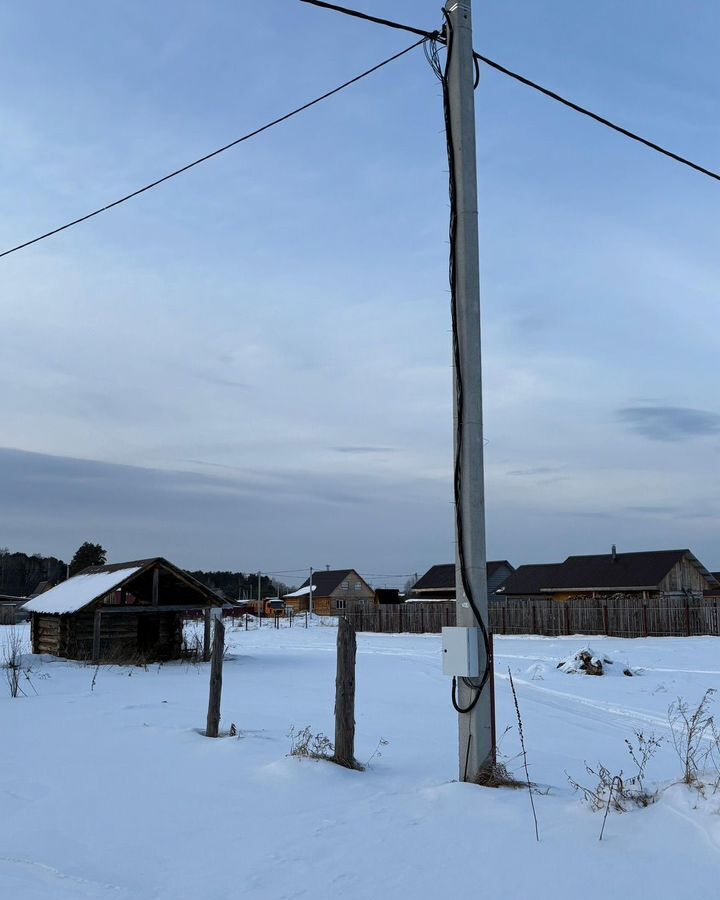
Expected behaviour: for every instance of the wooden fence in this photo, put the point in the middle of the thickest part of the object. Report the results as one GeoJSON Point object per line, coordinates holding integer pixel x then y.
{"type": "Point", "coordinates": [677, 615]}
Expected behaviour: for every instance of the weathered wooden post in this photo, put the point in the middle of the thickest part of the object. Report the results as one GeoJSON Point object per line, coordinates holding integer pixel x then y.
{"type": "Point", "coordinates": [206, 635]}
{"type": "Point", "coordinates": [345, 696]}
{"type": "Point", "coordinates": [97, 631]}
{"type": "Point", "coordinates": [213, 716]}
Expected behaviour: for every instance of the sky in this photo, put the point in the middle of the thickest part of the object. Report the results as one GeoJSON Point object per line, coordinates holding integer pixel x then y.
{"type": "Point", "coordinates": [249, 367]}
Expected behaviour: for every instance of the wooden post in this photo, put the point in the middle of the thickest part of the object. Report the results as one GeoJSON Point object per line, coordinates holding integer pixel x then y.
{"type": "Point", "coordinates": [345, 696]}
{"type": "Point", "coordinates": [96, 636]}
{"type": "Point", "coordinates": [606, 621]}
{"type": "Point", "coordinates": [687, 617]}
{"type": "Point", "coordinates": [155, 586]}
{"type": "Point", "coordinates": [645, 621]}
{"type": "Point", "coordinates": [206, 636]}
{"type": "Point", "coordinates": [492, 698]}
{"type": "Point", "coordinates": [504, 620]}
{"type": "Point", "coordinates": [534, 620]}
{"type": "Point", "coordinates": [213, 716]}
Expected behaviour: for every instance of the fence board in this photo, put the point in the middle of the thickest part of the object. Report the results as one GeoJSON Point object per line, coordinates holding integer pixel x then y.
{"type": "Point", "coordinates": [673, 615]}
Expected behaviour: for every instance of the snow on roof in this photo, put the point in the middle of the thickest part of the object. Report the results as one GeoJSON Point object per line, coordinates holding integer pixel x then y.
{"type": "Point", "coordinates": [301, 592]}
{"type": "Point", "coordinates": [78, 591]}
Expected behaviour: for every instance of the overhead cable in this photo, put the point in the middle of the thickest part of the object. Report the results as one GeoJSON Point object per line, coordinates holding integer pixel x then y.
{"type": "Point", "coordinates": [214, 153]}
{"type": "Point", "coordinates": [597, 118]}
{"type": "Point", "coordinates": [441, 37]}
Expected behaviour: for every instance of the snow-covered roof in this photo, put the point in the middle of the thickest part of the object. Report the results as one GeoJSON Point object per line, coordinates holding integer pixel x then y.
{"type": "Point", "coordinates": [301, 592]}
{"type": "Point", "coordinates": [78, 591]}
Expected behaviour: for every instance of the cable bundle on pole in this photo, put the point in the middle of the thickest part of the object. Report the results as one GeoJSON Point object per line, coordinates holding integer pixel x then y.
{"type": "Point", "coordinates": [432, 52]}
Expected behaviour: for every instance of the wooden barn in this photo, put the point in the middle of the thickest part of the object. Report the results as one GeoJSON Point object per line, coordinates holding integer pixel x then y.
{"type": "Point", "coordinates": [126, 612]}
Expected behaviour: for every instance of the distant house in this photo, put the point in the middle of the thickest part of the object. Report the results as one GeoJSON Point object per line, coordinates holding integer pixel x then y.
{"type": "Point", "coordinates": [646, 574]}
{"type": "Point", "coordinates": [438, 583]}
{"type": "Point", "coordinates": [116, 613]}
{"type": "Point", "coordinates": [11, 609]}
{"type": "Point", "coordinates": [333, 590]}
{"type": "Point", "coordinates": [714, 591]}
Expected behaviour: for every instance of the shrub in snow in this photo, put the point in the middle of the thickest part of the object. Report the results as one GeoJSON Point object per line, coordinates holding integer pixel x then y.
{"type": "Point", "coordinates": [616, 791]}
{"type": "Point", "coordinates": [586, 662]}
{"type": "Point", "coordinates": [696, 740]}
{"type": "Point", "coordinates": [303, 743]}
{"type": "Point", "coordinates": [12, 661]}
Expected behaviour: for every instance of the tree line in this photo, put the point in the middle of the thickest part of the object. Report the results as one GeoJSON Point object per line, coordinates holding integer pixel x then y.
{"type": "Point", "coordinates": [22, 573]}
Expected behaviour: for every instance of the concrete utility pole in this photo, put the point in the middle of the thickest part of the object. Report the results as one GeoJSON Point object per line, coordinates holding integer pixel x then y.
{"type": "Point", "coordinates": [260, 603]}
{"type": "Point", "coordinates": [475, 727]}
{"type": "Point", "coordinates": [310, 597]}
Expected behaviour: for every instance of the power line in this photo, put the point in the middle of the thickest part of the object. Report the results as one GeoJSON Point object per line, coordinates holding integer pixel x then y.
{"type": "Point", "coordinates": [441, 37]}
{"type": "Point", "coordinates": [368, 18]}
{"type": "Point", "coordinates": [214, 153]}
{"type": "Point", "coordinates": [597, 118]}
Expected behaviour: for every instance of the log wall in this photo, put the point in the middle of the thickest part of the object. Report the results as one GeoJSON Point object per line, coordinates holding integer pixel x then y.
{"type": "Point", "coordinates": [71, 636]}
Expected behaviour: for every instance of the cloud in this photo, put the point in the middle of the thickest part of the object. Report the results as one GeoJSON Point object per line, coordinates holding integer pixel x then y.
{"type": "Point", "coordinates": [51, 504]}
{"type": "Point", "coordinates": [670, 423]}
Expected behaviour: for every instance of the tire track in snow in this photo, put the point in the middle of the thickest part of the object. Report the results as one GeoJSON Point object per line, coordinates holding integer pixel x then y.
{"type": "Point", "coordinates": [56, 873]}
{"type": "Point", "coordinates": [558, 700]}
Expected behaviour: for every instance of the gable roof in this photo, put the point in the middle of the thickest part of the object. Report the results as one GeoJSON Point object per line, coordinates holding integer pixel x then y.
{"type": "Point", "coordinates": [624, 570]}
{"type": "Point", "coordinates": [604, 571]}
{"type": "Point", "coordinates": [326, 580]}
{"type": "Point", "coordinates": [442, 576]}
{"type": "Point", "coordinates": [79, 591]}
{"type": "Point", "coordinates": [95, 582]}
{"type": "Point", "coordinates": [529, 579]}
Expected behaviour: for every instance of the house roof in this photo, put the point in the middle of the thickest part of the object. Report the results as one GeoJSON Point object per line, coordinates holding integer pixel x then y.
{"type": "Point", "coordinates": [325, 581]}
{"type": "Point", "coordinates": [301, 592]}
{"type": "Point", "coordinates": [624, 570]}
{"type": "Point", "coordinates": [604, 571]}
{"type": "Point", "coordinates": [529, 579]}
{"type": "Point", "coordinates": [79, 591]}
{"type": "Point", "coordinates": [96, 581]}
{"type": "Point", "coordinates": [442, 576]}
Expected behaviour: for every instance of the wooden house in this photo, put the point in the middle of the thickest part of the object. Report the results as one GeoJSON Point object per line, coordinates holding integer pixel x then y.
{"type": "Point", "coordinates": [438, 583]}
{"type": "Point", "coordinates": [647, 575]}
{"type": "Point", "coordinates": [117, 613]}
{"type": "Point", "coordinates": [333, 590]}
{"type": "Point", "coordinates": [714, 591]}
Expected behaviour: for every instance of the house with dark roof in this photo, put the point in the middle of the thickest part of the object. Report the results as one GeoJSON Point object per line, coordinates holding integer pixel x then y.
{"type": "Point", "coordinates": [646, 574]}
{"type": "Point", "coordinates": [714, 591]}
{"type": "Point", "coordinates": [333, 590]}
{"type": "Point", "coordinates": [438, 583]}
{"type": "Point", "coordinates": [124, 612]}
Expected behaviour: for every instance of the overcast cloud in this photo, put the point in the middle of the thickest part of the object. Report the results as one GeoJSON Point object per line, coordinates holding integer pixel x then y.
{"type": "Point", "coordinates": [250, 366]}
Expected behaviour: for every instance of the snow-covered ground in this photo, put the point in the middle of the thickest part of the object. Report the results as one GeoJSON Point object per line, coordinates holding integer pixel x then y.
{"type": "Point", "coordinates": [114, 792]}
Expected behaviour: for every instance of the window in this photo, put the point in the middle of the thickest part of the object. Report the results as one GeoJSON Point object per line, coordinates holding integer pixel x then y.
{"type": "Point", "coordinates": [358, 586]}
{"type": "Point", "coordinates": [346, 585]}
{"type": "Point", "coordinates": [339, 604]}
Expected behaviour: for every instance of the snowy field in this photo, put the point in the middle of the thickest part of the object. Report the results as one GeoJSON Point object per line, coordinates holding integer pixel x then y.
{"type": "Point", "coordinates": [114, 793]}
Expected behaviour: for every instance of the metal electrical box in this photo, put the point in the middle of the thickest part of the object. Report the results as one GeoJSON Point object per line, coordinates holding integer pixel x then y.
{"type": "Point", "coordinates": [460, 652]}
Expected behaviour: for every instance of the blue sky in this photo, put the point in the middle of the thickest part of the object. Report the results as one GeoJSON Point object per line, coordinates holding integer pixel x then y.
{"type": "Point", "coordinates": [250, 366]}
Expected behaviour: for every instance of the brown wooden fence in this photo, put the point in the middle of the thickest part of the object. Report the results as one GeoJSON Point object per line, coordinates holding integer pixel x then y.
{"type": "Point", "coordinates": [677, 615]}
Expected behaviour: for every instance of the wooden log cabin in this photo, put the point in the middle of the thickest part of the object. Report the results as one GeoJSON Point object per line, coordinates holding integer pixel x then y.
{"type": "Point", "coordinates": [645, 575]}
{"type": "Point", "coordinates": [125, 612]}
